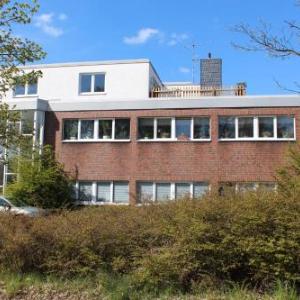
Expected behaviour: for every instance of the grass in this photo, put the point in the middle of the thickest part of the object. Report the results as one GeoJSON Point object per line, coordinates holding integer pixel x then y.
{"type": "Point", "coordinates": [104, 286]}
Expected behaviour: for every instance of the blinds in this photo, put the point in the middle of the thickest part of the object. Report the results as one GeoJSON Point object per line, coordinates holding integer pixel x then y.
{"type": "Point", "coordinates": [103, 192]}
{"type": "Point", "coordinates": [200, 189]}
{"type": "Point", "coordinates": [182, 190]}
{"type": "Point", "coordinates": [163, 191]}
{"type": "Point", "coordinates": [145, 191]}
{"type": "Point", "coordinates": [85, 191]}
{"type": "Point", "coordinates": [121, 192]}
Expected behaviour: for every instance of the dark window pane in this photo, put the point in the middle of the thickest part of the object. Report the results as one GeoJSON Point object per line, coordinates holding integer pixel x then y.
{"type": "Point", "coordinates": [70, 129]}
{"type": "Point", "coordinates": [285, 127]}
{"type": "Point", "coordinates": [85, 83]}
{"type": "Point", "coordinates": [183, 128]}
{"type": "Point", "coordinates": [163, 128]}
{"type": "Point", "coordinates": [201, 128]}
{"type": "Point", "coordinates": [146, 129]}
{"type": "Point", "coordinates": [20, 89]}
{"type": "Point", "coordinates": [246, 127]}
{"type": "Point", "coordinates": [266, 127]}
{"type": "Point", "coordinates": [105, 129]}
{"type": "Point", "coordinates": [32, 88]}
{"type": "Point", "coordinates": [27, 120]}
{"type": "Point", "coordinates": [226, 127]}
{"type": "Point", "coordinates": [122, 129]}
{"type": "Point", "coordinates": [87, 129]}
{"type": "Point", "coordinates": [85, 191]}
{"type": "Point", "coordinates": [99, 85]}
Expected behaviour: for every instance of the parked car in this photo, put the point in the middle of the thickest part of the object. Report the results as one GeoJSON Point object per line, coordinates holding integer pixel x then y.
{"type": "Point", "coordinates": [7, 207]}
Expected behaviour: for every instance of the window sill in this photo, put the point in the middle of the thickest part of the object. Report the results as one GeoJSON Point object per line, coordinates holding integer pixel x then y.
{"type": "Point", "coordinates": [96, 141]}
{"type": "Point", "coordinates": [258, 140]}
{"type": "Point", "coordinates": [94, 203]}
{"type": "Point", "coordinates": [92, 94]}
{"type": "Point", "coordinates": [173, 140]}
{"type": "Point", "coordinates": [25, 96]}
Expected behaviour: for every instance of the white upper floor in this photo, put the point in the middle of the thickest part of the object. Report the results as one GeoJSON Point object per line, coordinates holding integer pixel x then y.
{"type": "Point", "coordinates": [103, 80]}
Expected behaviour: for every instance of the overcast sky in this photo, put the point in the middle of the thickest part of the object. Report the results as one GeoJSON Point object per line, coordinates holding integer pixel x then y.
{"type": "Point", "coordinates": [163, 31]}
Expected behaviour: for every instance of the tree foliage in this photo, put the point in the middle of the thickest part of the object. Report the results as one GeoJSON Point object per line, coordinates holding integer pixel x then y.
{"type": "Point", "coordinates": [42, 181]}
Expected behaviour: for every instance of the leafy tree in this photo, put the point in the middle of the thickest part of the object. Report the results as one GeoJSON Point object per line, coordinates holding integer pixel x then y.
{"type": "Point", "coordinates": [42, 181]}
{"type": "Point", "coordinates": [14, 52]}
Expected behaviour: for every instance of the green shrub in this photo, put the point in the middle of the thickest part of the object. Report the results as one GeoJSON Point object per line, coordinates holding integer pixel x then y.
{"type": "Point", "coordinates": [42, 182]}
{"type": "Point", "coordinates": [181, 245]}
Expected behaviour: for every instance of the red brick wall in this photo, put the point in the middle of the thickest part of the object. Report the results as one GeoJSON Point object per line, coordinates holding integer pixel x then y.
{"type": "Point", "coordinates": [170, 161]}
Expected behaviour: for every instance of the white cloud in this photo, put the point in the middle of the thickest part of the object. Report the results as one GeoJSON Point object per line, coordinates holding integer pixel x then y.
{"type": "Point", "coordinates": [177, 38]}
{"type": "Point", "coordinates": [184, 70]}
{"type": "Point", "coordinates": [62, 17]}
{"type": "Point", "coordinates": [142, 36]}
{"type": "Point", "coordinates": [45, 23]}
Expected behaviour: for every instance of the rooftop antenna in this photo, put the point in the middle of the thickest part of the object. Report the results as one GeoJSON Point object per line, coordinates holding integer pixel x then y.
{"type": "Point", "coordinates": [193, 47]}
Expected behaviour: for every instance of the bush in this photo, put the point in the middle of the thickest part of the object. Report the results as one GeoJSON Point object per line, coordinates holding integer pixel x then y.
{"type": "Point", "coordinates": [41, 182]}
{"type": "Point", "coordinates": [252, 237]}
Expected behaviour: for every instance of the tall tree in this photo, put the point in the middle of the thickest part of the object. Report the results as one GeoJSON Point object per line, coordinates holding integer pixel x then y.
{"type": "Point", "coordinates": [15, 52]}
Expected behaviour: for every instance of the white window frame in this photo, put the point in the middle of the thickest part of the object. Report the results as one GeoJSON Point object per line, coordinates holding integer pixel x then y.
{"type": "Point", "coordinates": [26, 91]}
{"type": "Point", "coordinates": [256, 129]}
{"type": "Point", "coordinates": [96, 131]}
{"type": "Point", "coordinates": [172, 188]}
{"type": "Point", "coordinates": [94, 193]}
{"type": "Point", "coordinates": [93, 74]}
{"type": "Point", "coordinates": [173, 137]}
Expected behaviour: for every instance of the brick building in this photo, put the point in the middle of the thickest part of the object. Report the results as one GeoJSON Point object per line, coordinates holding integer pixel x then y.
{"type": "Point", "coordinates": [127, 137]}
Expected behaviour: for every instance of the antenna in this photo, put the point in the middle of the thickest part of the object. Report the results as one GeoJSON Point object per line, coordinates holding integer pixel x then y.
{"type": "Point", "coordinates": [193, 48]}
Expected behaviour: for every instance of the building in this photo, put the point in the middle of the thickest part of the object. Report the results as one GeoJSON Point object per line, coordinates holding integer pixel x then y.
{"type": "Point", "coordinates": [127, 136]}
{"type": "Point", "coordinates": [211, 72]}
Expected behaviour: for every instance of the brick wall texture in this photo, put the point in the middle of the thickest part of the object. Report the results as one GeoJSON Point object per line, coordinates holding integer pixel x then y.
{"type": "Point", "coordinates": [214, 161]}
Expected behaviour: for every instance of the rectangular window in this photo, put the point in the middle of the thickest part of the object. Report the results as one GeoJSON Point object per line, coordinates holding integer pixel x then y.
{"type": "Point", "coordinates": [105, 129]}
{"type": "Point", "coordinates": [246, 128]}
{"type": "Point", "coordinates": [183, 128]}
{"type": "Point", "coordinates": [145, 192]}
{"type": "Point", "coordinates": [19, 90]}
{"type": "Point", "coordinates": [99, 83]}
{"type": "Point", "coordinates": [146, 128]}
{"type": "Point", "coordinates": [200, 189]}
{"type": "Point", "coordinates": [87, 129]}
{"type": "Point", "coordinates": [104, 192]}
{"type": "Point", "coordinates": [92, 83]}
{"type": "Point", "coordinates": [266, 127]}
{"type": "Point", "coordinates": [182, 190]}
{"type": "Point", "coordinates": [27, 121]}
{"type": "Point", "coordinates": [163, 191]}
{"type": "Point", "coordinates": [122, 129]}
{"type": "Point", "coordinates": [85, 191]}
{"type": "Point", "coordinates": [32, 88]}
{"type": "Point", "coordinates": [26, 89]}
{"type": "Point", "coordinates": [163, 128]}
{"type": "Point", "coordinates": [226, 127]}
{"type": "Point", "coordinates": [70, 129]}
{"type": "Point", "coordinates": [285, 127]}
{"type": "Point", "coordinates": [202, 128]}
{"type": "Point", "coordinates": [121, 192]}
{"type": "Point", "coordinates": [85, 83]}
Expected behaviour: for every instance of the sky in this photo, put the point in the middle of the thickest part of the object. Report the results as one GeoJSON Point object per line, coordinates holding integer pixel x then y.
{"type": "Point", "coordinates": [163, 31]}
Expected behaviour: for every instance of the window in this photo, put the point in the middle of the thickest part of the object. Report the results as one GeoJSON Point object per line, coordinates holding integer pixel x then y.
{"type": "Point", "coordinates": [103, 192]}
{"type": "Point", "coordinates": [174, 128]}
{"type": "Point", "coordinates": [266, 127]}
{"type": "Point", "coordinates": [85, 191]}
{"type": "Point", "coordinates": [163, 129]}
{"type": "Point", "coordinates": [122, 129]}
{"type": "Point", "coordinates": [257, 128]}
{"type": "Point", "coordinates": [3, 203]}
{"type": "Point", "coordinates": [200, 189]}
{"type": "Point", "coordinates": [27, 89]}
{"type": "Point", "coordinates": [285, 127]}
{"type": "Point", "coordinates": [146, 128]}
{"type": "Point", "coordinates": [183, 128]}
{"type": "Point", "coordinates": [121, 192]}
{"type": "Point", "coordinates": [92, 83]}
{"type": "Point", "coordinates": [226, 127]}
{"type": "Point", "coordinates": [246, 129]}
{"type": "Point", "coordinates": [182, 190]}
{"type": "Point", "coordinates": [163, 191]}
{"type": "Point", "coordinates": [145, 191]}
{"type": "Point", "coordinates": [230, 187]}
{"type": "Point", "coordinates": [70, 129]}
{"type": "Point", "coordinates": [27, 121]}
{"type": "Point", "coordinates": [87, 129]}
{"type": "Point", "coordinates": [201, 128]}
{"type": "Point", "coordinates": [105, 129]}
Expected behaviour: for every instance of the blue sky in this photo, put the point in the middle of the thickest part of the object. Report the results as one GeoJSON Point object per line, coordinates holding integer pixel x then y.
{"type": "Point", "coordinates": [161, 30]}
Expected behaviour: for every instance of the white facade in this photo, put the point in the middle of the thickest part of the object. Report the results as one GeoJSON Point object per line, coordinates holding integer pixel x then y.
{"type": "Point", "coordinates": [124, 80]}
